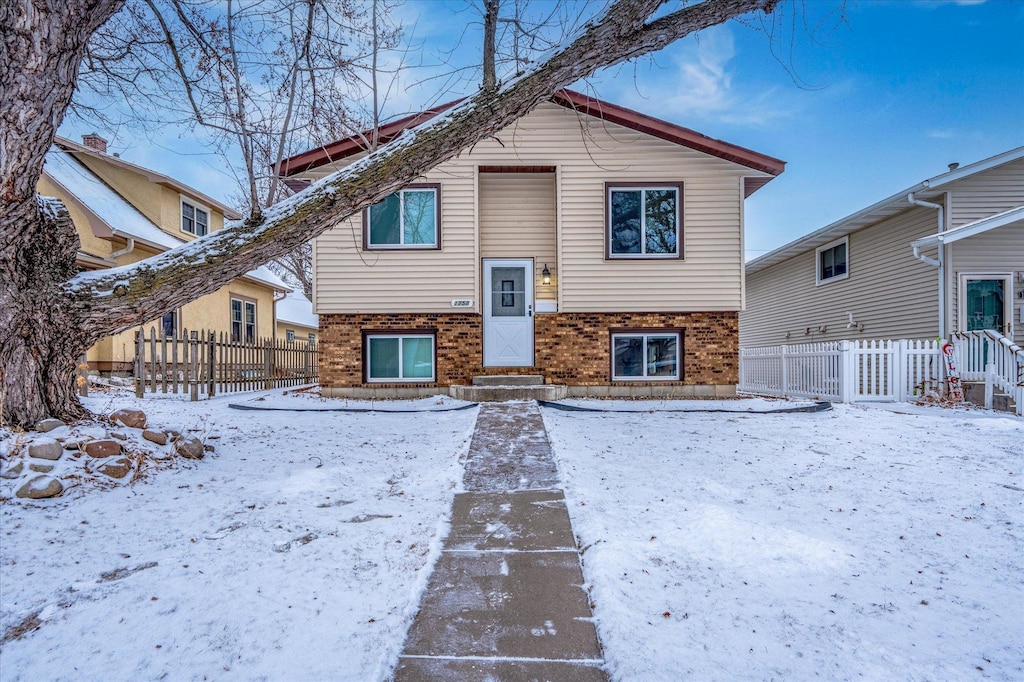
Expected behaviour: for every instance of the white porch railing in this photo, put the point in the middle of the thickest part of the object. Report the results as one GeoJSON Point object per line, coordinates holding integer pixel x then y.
{"type": "Point", "coordinates": [991, 357]}
{"type": "Point", "coordinates": [882, 371]}
{"type": "Point", "coordinates": [845, 371]}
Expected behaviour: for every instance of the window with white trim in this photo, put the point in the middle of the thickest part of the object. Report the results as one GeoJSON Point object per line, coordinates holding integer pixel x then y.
{"type": "Point", "coordinates": [404, 357]}
{"type": "Point", "coordinates": [644, 221]}
{"type": "Point", "coordinates": [407, 219]}
{"type": "Point", "coordinates": [243, 320]}
{"type": "Point", "coordinates": [648, 356]}
{"type": "Point", "coordinates": [833, 261]}
{"type": "Point", "coordinates": [312, 338]}
{"type": "Point", "coordinates": [195, 219]}
{"type": "Point", "coordinates": [289, 335]}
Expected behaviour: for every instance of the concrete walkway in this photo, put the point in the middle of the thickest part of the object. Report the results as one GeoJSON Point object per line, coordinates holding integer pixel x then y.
{"type": "Point", "coordinates": [505, 600]}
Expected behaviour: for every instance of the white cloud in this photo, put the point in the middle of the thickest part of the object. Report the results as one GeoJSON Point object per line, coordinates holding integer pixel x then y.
{"type": "Point", "coordinates": [940, 134]}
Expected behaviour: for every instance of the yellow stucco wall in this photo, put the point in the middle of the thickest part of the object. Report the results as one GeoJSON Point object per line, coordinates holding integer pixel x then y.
{"type": "Point", "coordinates": [301, 331]}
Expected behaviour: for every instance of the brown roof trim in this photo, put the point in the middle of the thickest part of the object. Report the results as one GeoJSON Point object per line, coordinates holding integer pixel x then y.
{"type": "Point", "coordinates": [577, 102]}
{"type": "Point", "coordinates": [353, 145]}
{"type": "Point", "coordinates": [669, 131]}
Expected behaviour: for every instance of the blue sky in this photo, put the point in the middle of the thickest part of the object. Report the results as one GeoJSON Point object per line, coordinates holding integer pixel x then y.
{"type": "Point", "coordinates": [858, 109]}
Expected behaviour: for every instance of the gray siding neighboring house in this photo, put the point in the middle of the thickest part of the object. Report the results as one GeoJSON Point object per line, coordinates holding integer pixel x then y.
{"type": "Point", "coordinates": [864, 266]}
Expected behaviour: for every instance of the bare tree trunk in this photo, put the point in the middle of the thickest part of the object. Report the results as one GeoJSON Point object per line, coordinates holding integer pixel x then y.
{"type": "Point", "coordinates": [41, 45]}
{"type": "Point", "coordinates": [491, 8]}
{"type": "Point", "coordinates": [69, 316]}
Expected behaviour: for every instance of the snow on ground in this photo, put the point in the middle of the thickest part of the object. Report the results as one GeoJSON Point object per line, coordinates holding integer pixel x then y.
{"type": "Point", "coordinates": [297, 551]}
{"type": "Point", "coordinates": [858, 543]}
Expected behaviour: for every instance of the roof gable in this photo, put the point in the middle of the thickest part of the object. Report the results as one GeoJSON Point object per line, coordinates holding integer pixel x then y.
{"type": "Point", "coordinates": [575, 101]}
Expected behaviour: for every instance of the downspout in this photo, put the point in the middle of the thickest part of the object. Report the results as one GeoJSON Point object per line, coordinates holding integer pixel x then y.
{"type": "Point", "coordinates": [277, 296]}
{"type": "Point", "coordinates": [123, 252]}
{"type": "Point", "coordinates": [939, 263]}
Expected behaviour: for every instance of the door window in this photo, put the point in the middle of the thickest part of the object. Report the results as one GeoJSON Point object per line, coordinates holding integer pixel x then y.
{"type": "Point", "coordinates": [985, 304]}
{"type": "Point", "coordinates": [508, 292]}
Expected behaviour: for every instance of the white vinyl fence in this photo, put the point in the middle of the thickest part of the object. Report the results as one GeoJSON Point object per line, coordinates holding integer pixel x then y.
{"type": "Point", "coordinates": [844, 371]}
{"type": "Point", "coordinates": [884, 371]}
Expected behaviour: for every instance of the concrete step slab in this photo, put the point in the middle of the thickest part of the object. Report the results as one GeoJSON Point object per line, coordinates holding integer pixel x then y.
{"type": "Point", "coordinates": [523, 521]}
{"type": "Point", "coordinates": [505, 604]}
{"type": "Point", "coordinates": [509, 380]}
{"type": "Point", "coordinates": [500, 394]}
{"type": "Point", "coordinates": [447, 669]}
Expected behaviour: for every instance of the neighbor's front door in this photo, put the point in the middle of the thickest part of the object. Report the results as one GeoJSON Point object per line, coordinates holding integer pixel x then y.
{"type": "Point", "coordinates": [508, 312]}
{"type": "Point", "coordinates": [985, 303]}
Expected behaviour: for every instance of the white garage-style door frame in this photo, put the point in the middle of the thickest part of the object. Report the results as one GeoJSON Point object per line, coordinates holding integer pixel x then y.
{"type": "Point", "coordinates": [508, 312]}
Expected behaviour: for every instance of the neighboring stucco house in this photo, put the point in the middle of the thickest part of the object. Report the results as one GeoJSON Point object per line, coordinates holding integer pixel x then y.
{"type": "Point", "coordinates": [296, 321]}
{"type": "Point", "coordinates": [125, 213]}
{"type": "Point", "coordinates": [586, 243]}
{"type": "Point", "coordinates": [876, 274]}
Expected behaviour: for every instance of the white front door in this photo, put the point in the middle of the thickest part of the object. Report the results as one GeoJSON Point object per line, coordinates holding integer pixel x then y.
{"type": "Point", "coordinates": [508, 312]}
{"type": "Point", "coordinates": [986, 302]}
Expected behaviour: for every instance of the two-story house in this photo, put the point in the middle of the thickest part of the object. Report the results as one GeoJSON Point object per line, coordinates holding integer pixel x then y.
{"type": "Point", "coordinates": [125, 213]}
{"type": "Point", "coordinates": [587, 244]}
{"type": "Point", "coordinates": [944, 255]}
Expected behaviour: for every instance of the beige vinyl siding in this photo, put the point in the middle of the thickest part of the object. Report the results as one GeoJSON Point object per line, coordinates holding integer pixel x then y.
{"type": "Point", "coordinates": [998, 251]}
{"type": "Point", "coordinates": [983, 194]}
{"type": "Point", "coordinates": [517, 220]}
{"type": "Point", "coordinates": [587, 152]}
{"type": "Point", "coordinates": [890, 292]}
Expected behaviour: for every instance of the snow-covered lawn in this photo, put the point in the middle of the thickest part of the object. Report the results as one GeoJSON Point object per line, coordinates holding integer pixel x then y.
{"type": "Point", "coordinates": [297, 551]}
{"type": "Point", "coordinates": [859, 543]}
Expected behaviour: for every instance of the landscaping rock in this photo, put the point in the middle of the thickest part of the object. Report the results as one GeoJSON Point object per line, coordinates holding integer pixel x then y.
{"type": "Point", "coordinates": [73, 444]}
{"type": "Point", "coordinates": [115, 467]}
{"type": "Point", "coordinates": [134, 419]}
{"type": "Point", "coordinates": [45, 448]}
{"type": "Point", "coordinates": [49, 425]}
{"type": "Point", "coordinates": [13, 471]}
{"type": "Point", "coordinates": [40, 468]}
{"type": "Point", "coordinates": [207, 447]}
{"type": "Point", "coordinates": [41, 487]}
{"type": "Point", "coordinates": [120, 435]}
{"type": "Point", "coordinates": [158, 437]}
{"type": "Point", "coordinates": [189, 448]}
{"type": "Point", "coordinates": [102, 448]}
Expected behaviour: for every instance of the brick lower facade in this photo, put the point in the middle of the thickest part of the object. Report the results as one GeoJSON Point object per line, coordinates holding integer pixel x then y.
{"type": "Point", "coordinates": [570, 348]}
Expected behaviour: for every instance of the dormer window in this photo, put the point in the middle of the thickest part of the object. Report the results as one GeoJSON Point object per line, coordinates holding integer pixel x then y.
{"type": "Point", "coordinates": [195, 219]}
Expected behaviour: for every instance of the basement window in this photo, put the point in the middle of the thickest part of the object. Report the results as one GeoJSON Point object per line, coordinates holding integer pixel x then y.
{"type": "Point", "coordinates": [646, 356]}
{"type": "Point", "coordinates": [399, 357]}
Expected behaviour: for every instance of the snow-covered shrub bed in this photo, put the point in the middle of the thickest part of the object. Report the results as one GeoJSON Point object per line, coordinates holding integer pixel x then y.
{"type": "Point", "coordinates": [294, 551]}
{"type": "Point", "coordinates": [853, 544]}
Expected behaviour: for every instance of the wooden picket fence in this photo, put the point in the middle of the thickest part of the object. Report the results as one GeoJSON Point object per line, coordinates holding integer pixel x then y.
{"type": "Point", "coordinates": [206, 363]}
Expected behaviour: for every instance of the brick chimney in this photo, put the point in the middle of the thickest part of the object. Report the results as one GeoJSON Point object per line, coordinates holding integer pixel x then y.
{"type": "Point", "coordinates": [94, 141]}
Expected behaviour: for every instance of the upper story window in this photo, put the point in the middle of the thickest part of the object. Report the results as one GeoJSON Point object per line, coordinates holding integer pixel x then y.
{"type": "Point", "coordinates": [644, 220]}
{"type": "Point", "coordinates": [833, 261]}
{"type": "Point", "coordinates": [407, 219]}
{"type": "Point", "coordinates": [195, 219]}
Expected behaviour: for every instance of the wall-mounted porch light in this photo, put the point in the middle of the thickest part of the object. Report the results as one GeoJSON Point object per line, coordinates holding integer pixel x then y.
{"type": "Point", "coordinates": [545, 275]}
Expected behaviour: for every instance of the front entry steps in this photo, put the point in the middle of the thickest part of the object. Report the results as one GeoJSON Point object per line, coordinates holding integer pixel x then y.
{"type": "Point", "coordinates": [499, 388]}
{"type": "Point", "coordinates": [974, 393]}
